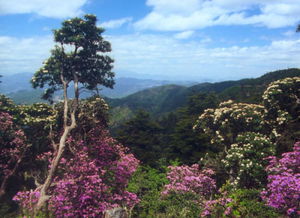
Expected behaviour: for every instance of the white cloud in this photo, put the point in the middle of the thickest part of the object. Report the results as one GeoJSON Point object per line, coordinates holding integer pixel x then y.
{"type": "Point", "coordinates": [174, 6]}
{"type": "Point", "coordinates": [184, 35]}
{"type": "Point", "coordinates": [178, 15]}
{"type": "Point", "coordinates": [163, 56]}
{"type": "Point", "coordinates": [47, 8]}
{"type": "Point", "coordinates": [289, 33]}
{"type": "Point", "coordinates": [23, 54]}
{"type": "Point", "coordinates": [112, 24]}
{"type": "Point", "coordinates": [167, 56]}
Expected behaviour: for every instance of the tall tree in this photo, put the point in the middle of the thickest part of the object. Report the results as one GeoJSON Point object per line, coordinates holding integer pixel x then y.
{"type": "Point", "coordinates": [143, 136]}
{"type": "Point", "coordinates": [188, 145]}
{"type": "Point", "coordinates": [78, 58]}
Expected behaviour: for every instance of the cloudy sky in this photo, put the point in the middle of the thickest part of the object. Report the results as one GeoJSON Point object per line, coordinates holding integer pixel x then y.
{"type": "Point", "coordinates": [199, 40]}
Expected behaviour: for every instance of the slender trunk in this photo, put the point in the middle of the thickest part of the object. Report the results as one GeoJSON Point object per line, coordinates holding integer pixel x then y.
{"type": "Point", "coordinates": [43, 193]}
{"type": "Point", "coordinates": [61, 147]}
{"type": "Point", "coordinates": [66, 107]}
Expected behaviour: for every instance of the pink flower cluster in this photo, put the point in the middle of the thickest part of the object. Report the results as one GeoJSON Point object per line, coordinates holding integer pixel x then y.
{"type": "Point", "coordinates": [27, 200]}
{"type": "Point", "coordinates": [190, 179]}
{"type": "Point", "coordinates": [92, 178]}
{"type": "Point", "coordinates": [283, 189]}
{"type": "Point", "coordinates": [210, 206]}
{"type": "Point", "coordinates": [12, 145]}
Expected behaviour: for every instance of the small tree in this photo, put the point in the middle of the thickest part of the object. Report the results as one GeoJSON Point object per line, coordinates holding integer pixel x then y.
{"type": "Point", "coordinates": [77, 58]}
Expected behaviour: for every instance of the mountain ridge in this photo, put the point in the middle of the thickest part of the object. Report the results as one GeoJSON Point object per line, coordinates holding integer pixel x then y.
{"type": "Point", "coordinates": [169, 98]}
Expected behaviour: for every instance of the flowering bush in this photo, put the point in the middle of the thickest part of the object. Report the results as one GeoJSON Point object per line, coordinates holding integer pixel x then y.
{"type": "Point", "coordinates": [38, 114]}
{"type": "Point", "coordinates": [245, 159]}
{"type": "Point", "coordinates": [27, 200]}
{"type": "Point", "coordinates": [217, 207]}
{"type": "Point", "coordinates": [283, 189]}
{"type": "Point", "coordinates": [92, 178]}
{"type": "Point", "coordinates": [12, 149]}
{"type": "Point", "coordinates": [223, 124]}
{"type": "Point", "coordinates": [281, 100]}
{"type": "Point", "coordinates": [190, 179]}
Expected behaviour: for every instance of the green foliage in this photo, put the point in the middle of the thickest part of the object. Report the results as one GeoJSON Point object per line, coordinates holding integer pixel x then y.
{"type": "Point", "coordinates": [118, 116]}
{"type": "Point", "coordinates": [147, 183]}
{"type": "Point", "coordinates": [247, 203]}
{"type": "Point", "coordinates": [281, 100]}
{"type": "Point", "coordinates": [243, 93]}
{"type": "Point", "coordinates": [142, 135]}
{"type": "Point", "coordinates": [155, 100]}
{"type": "Point", "coordinates": [238, 203]}
{"type": "Point", "coordinates": [164, 99]}
{"type": "Point", "coordinates": [78, 56]}
{"type": "Point", "coordinates": [181, 206]}
{"type": "Point", "coordinates": [186, 144]}
{"type": "Point", "coordinates": [171, 136]}
{"type": "Point", "coordinates": [7, 105]}
{"type": "Point", "coordinates": [243, 131]}
{"type": "Point", "coordinates": [245, 160]}
{"type": "Point", "coordinates": [224, 123]}
{"type": "Point", "coordinates": [35, 120]}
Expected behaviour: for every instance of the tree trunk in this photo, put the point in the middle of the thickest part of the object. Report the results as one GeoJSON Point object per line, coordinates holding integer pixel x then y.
{"type": "Point", "coordinates": [44, 197]}
{"type": "Point", "coordinates": [116, 213]}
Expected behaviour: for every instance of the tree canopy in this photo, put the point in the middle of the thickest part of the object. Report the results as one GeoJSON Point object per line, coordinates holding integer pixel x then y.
{"type": "Point", "coordinates": [77, 56]}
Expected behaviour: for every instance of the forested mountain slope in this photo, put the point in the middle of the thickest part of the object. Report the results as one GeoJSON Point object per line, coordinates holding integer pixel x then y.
{"type": "Point", "coordinates": [159, 100]}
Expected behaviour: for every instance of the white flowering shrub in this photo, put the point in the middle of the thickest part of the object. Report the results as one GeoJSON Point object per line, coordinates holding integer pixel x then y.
{"type": "Point", "coordinates": [38, 114]}
{"type": "Point", "coordinates": [92, 110]}
{"type": "Point", "coordinates": [245, 159]}
{"type": "Point", "coordinates": [282, 103]}
{"type": "Point", "coordinates": [223, 124]}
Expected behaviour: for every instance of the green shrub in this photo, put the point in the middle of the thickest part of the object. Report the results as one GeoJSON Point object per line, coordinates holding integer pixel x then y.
{"type": "Point", "coordinates": [244, 203]}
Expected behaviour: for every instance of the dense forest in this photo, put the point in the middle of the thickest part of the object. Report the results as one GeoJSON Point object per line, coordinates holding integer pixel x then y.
{"type": "Point", "coordinates": [226, 149]}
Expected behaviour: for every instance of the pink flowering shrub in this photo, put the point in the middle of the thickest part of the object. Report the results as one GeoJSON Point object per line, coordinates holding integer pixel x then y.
{"type": "Point", "coordinates": [27, 200]}
{"type": "Point", "coordinates": [190, 179]}
{"type": "Point", "coordinates": [210, 206]}
{"type": "Point", "coordinates": [92, 178]}
{"type": "Point", "coordinates": [12, 143]}
{"type": "Point", "coordinates": [12, 149]}
{"type": "Point", "coordinates": [283, 189]}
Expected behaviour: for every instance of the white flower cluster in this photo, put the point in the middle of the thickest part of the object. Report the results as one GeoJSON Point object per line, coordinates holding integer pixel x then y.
{"type": "Point", "coordinates": [246, 156]}
{"type": "Point", "coordinates": [281, 87]}
{"type": "Point", "coordinates": [226, 120]}
{"type": "Point", "coordinates": [37, 113]}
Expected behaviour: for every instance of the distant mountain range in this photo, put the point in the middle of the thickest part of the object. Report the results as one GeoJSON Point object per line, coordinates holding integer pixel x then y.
{"type": "Point", "coordinates": [154, 96]}
{"type": "Point", "coordinates": [18, 87]}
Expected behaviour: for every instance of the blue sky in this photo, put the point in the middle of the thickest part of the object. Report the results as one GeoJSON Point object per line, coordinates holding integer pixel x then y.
{"type": "Point", "coordinates": [209, 40]}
